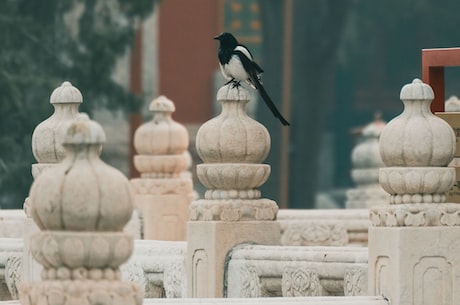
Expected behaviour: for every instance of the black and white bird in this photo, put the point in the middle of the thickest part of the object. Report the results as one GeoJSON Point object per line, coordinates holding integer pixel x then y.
{"type": "Point", "coordinates": [237, 64]}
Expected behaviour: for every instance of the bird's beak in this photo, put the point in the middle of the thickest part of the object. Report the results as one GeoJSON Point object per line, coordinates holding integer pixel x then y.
{"type": "Point", "coordinates": [216, 37]}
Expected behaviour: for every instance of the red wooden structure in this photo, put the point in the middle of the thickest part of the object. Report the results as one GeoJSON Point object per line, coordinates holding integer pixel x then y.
{"type": "Point", "coordinates": [433, 63]}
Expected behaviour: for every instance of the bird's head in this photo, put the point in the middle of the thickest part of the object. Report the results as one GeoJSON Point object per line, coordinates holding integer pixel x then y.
{"type": "Point", "coordinates": [227, 40]}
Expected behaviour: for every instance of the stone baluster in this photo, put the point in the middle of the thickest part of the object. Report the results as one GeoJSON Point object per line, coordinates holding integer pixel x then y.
{"type": "Point", "coordinates": [413, 243]}
{"type": "Point", "coordinates": [366, 162]}
{"type": "Point", "coordinates": [162, 193]}
{"type": "Point", "coordinates": [48, 151]}
{"type": "Point", "coordinates": [232, 146]}
{"type": "Point", "coordinates": [452, 117]}
{"type": "Point", "coordinates": [81, 206]}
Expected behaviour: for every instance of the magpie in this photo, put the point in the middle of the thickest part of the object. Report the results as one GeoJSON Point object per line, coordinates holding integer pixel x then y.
{"type": "Point", "coordinates": [237, 64]}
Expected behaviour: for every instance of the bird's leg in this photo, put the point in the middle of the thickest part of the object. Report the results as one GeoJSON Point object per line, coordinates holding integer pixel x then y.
{"type": "Point", "coordinates": [236, 84]}
{"type": "Point", "coordinates": [230, 81]}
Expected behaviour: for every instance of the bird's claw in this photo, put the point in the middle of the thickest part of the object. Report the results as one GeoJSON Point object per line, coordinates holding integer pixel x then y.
{"type": "Point", "coordinates": [236, 84]}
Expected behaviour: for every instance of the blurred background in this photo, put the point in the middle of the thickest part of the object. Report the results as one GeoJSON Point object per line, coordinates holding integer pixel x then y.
{"type": "Point", "coordinates": [329, 65]}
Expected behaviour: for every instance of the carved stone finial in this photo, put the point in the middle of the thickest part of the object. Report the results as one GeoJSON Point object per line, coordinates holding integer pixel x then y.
{"type": "Point", "coordinates": [47, 136]}
{"type": "Point", "coordinates": [452, 104]}
{"type": "Point", "coordinates": [366, 162]}
{"type": "Point", "coordinates": [416, 147]}
{"type": "Point", "coordinates": [161, 143]}
{"type": "Point", "coordinates": [162, 193]}
{"type": "Point", "coordinates": [416, 137]}
{"type": "Point", "coordinates": [232, 146]}
{"type": "Point", "coordinates": [233, 136]}
{"type": "Point", "coordinates": [81, 205]}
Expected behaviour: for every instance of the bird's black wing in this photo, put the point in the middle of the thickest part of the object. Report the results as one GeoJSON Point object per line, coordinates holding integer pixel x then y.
{"type": "Point", "coordinates": [253, 71]}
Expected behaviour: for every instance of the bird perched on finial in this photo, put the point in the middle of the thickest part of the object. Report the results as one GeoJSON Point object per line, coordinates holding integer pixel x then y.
{"type": "Point", "coordinates": [237, 64]}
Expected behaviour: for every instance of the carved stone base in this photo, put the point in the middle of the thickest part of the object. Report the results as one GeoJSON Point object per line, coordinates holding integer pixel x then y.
{"type": "Point", "coordinates": [233, 210]}
{"type": "Point", "coordinates": [209, 243]}
{"type": "Point", "coordinates": [81, 292]}
{"type": "Point", "coordinates": [415, 265]}
{"type": "Point", "coordinates": [416, 215]}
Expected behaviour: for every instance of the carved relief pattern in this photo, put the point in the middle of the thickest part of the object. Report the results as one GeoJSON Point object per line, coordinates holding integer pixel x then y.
{"type": "Point", "coordinates": [314, 234]}
{"type": "Point", "coordinates": [355, 281]}
{"type": "Point", "coordinates": [175, 279]}
{"type": "Point", "coordinates": [13, 274]}
{"type": "Point", "coordinates": [298, 282]}
{"type": "Point", "coordinates": [250, 284]}
{"type": "Point", "coordinates": [416, 215]}
{"type": "Point", "coordinates": [82, 292]}
{"type": "Point", "coordinates": [233, 210]}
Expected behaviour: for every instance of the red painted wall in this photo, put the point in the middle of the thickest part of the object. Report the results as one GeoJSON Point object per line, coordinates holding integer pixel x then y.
{"type": "Point", "coordinates": [188, 56]}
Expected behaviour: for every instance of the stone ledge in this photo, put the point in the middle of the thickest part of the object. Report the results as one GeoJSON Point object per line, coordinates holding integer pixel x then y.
{"type": "Point", "coordinates": [233, 210]}
{"type": "Point", "coordinates": [416, 215]}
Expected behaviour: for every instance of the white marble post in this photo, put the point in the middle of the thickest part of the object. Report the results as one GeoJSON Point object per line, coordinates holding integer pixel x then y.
{"type": "Point", "coordinates": [81, 206]}
{"type": "Point", "coordinates": [162, 193]}
{"type": "Point", "coordinates": [452, 117]}
{"type": "Point", "coordinates": [232, 146]}
{"type": "Point", "coordinates": [414, 241]}
{"type": "Point", "coordinates": [48, 151]}
{"type": "Point", "coordinates": [366, 162]}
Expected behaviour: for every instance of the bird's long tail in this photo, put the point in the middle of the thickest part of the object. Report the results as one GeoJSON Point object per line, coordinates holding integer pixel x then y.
{"type": "Point", "coordinates": [260, 88]}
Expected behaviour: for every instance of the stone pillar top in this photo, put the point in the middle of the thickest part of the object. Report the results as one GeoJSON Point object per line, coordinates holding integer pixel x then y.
{"type": "Point", "coordinates": [452, 104]}
{"type": "Point", "coordinates": [232, 136]}
{"type": "Point", "coordinates": [161, 143]}
{"type": "Point", "coordinates": [83, 131]}
{"type": "Point", "coordinates": [417, 90]}
{"type": "Point", "coordinates": [416, 147]}
{"type": "Point", "coordinates": [417, 137]}
{"type": "Point", "coordinates": [233, 147]}
{"type": "Point", "coordinates": [162, 104]}
{"type": "Point", "coordinates": [47, 136]}
{"type": "Point", "coordinates": [66, 94]}
{"type": "Point", "coordinates": [81, 193]}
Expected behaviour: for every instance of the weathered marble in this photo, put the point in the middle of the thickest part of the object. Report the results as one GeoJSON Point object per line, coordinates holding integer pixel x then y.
{"type": "Point", "coordinates": [162, 193]}
{"type": "Point", "coordinates": [370, 300]}
{"type": "Point", "coordinates": [334, 227]}
{"type": "Point", "coordinates": [413, 243]}
{"type": "Point", "coordinates": [81, 206]}
{"type": "Point", "coordinates": [232, 146]}
{"type": "Point", "coordinates": [268, 271]}
{"type": "Point", "coordinates": [366, 162]}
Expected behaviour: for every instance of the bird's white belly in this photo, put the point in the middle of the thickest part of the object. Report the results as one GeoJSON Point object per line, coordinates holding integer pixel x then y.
{"type": "Point", "coordinates": [234, 69]}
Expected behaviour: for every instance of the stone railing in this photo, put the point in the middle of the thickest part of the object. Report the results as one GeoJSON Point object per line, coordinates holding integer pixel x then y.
{"type": "Point", "coordinates": [252, 270]}
{"type": "Point", "coordinates": [11, 250]}
{"type": "Point", "coordinates": [263, 301]}
{"type": "Point", "coordinates": [324, 227]}
{"type": "Point", "coordinates": [159, 267]}
{"type": "Point", "coordinates": [263, 271]}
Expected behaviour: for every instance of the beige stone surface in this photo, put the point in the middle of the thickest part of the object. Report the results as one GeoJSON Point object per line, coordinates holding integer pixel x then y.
{"type": "Point", "coordinates": [330, 227]}
{"type": "Point", "coordinates": [366, 162]}
{"type": "Point", "coordinates": [208, 244]}
{"type": "Point", "coordinates": [266, 301]}
{"type": "Point", "coordinates": [81, 206]}
{"type": "Point", "coordinates": [417, 137]}
{"type": "Point", "coordinates": [415, 265]}
{"type": "Point", "coordinates": [413, 244]}
{"type": "Point", "coordinates": [263, 271]}
{"type": "Point", "coordinates": [162, 193]}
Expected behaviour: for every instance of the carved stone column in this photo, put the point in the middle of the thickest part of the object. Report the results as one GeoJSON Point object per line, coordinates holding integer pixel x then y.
{"type": "Point", "coordinates": [366, 162]}
{"type": "Point", "coordinates": [232, 146]}
{"type": "Point", "coordinates": [414, 241]}
{"type": "Point", "coordinates": [81, 206]}
{"type": "Point", "coordinates": [162, 193]}
{"type": "Point", "coordinates": [48, 151]}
